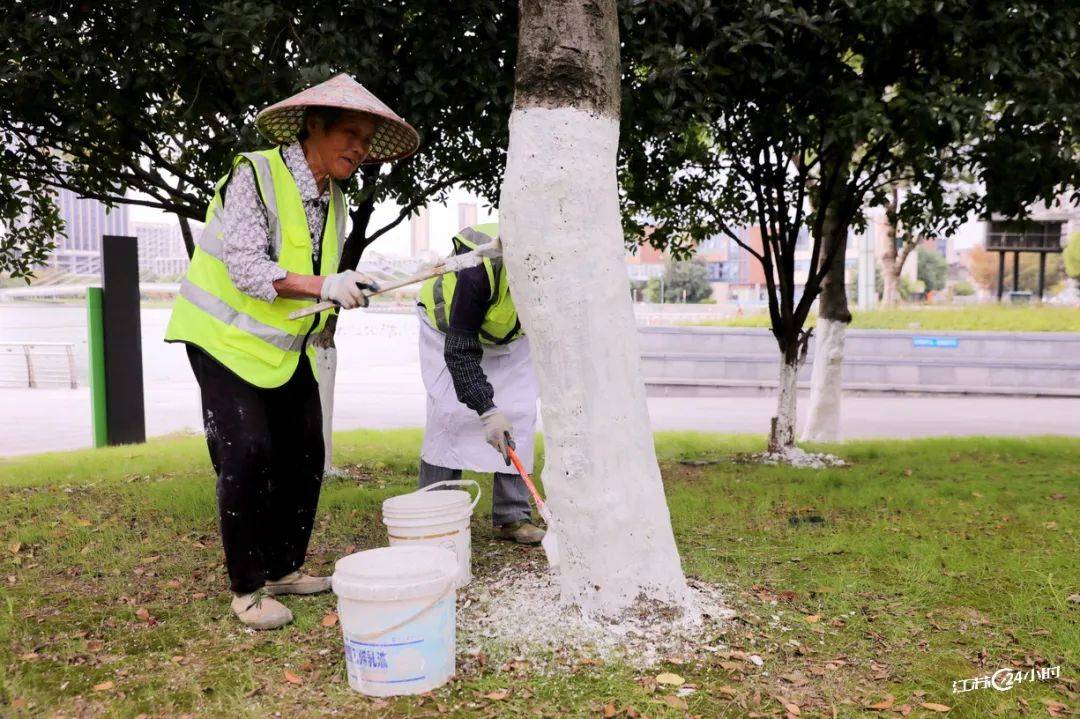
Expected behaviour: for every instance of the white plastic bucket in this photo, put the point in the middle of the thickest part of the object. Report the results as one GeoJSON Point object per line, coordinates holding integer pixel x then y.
{"type": "Point", "coordinates": [396, 607]}
{"type": "Point", "coordinates": [438, 519]}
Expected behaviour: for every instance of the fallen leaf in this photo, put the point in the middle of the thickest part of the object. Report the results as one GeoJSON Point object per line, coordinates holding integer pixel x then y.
{"type": "Point", "coordinates": [935, 707]}
{"type": "Point", "coordinates": [727, 691]}
{"type": "Point", "coordinates": [142, 613]}
{"type": "Point", "coordinates": [330, 619]}
{"type": "Point", "coordinates": [252, 692]}
{"type": "Point", "coordinates": [1074, 599]}
{"type": "Point", "coordinates": [83, 522]}
{"type": "Point", "coordinates": [793, 709]}
{"type": "Point", "coordinates": [29, 656]}
{"type": "Point", "coordinates": [15, 547]}
{"type": "Point", "coordinates": [885, 703]}
{"type": "Point", "coordinates": [674, 702]}
{"type": "Point", "coordinates": [976, 494]}
{"type": "Point", "coordinates": [497, 696]}
{"type": "Point", "coordinates": [173, 584]}
{"type": "Point", "coordinates": [609, 710]}
{"type": "Point", "coordinates": [292, 678]}
{"type": "Point", "coordinates": [669, 678]}
{"type": "Point", "coordinates": [104, 686]}
{"type": "Point", "coordinates": [812, 618]}
{"type": "Point", "coordinates": [632, 713]}
{"type": "Point", "coordinates": [904, 709]}
{"type": "Point", "coordinates": [1051, 525]}
{"type": "Point", "coordinates": [1057, 495]}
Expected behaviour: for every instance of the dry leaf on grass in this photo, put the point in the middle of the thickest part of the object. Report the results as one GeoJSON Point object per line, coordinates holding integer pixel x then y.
{"type": "Point", "coordinates": [609, 710]}
{"type": "Point", "coordinates": [104, 686]}
{"type": "Point", "coordinates": [669, 678]}
{"type": "Point", "coordinates": [675, 702]}
{"type": "Point", "coordinates": [812, 618]}
{"type": "Point", "coordinates": [885, 703]}
{"type": "Point", "coordinates": [292, 678]}
{"type": "Point", "coordinates": [793, 709]}
{"type": "Point", "coordinates": [497, 696]}
{"type": "Point", "coordinates": [330, 619]}
{"type": "Point", "coordinates": [931, 706]}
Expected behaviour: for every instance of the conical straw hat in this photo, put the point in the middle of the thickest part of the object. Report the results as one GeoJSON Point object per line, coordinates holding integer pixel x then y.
{"type": "Point", "coordinates": [393, 140]}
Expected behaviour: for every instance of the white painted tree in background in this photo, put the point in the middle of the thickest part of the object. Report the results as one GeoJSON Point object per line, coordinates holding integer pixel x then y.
{"type": "Point", "coordinates": [559, 215]}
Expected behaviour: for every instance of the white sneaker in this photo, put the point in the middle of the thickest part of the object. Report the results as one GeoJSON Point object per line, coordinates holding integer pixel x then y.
{"type": "Point", "coordinates": [259, 611]}
{"type": "Point", "coordinates": [298, 583]}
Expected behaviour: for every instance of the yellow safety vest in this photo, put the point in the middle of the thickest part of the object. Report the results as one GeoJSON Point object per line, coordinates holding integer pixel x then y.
{"type": "Point", "coordinates": [254, 338]}
{"type": "Point", "coordinates": [501, 323]}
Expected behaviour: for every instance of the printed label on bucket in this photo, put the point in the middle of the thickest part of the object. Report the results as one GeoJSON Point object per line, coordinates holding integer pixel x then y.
{"type": "Point", "coordinates": [418, 657]}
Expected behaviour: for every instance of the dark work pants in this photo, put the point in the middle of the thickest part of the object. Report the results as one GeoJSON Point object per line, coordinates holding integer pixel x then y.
{"type": "Point", "coordinates": [509, 496]}
{"type": "Point", "coordinates": [267, 449]}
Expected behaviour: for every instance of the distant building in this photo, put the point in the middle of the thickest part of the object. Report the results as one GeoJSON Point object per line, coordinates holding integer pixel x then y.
{"type": "Point", "coordinates": [466, 214]}
{"type": "Point", "coordinates": [85, 222]}
{"type": "Point", "coordinates": [161, 248]}
{"type": "Point", "coordinates": [419, 233]}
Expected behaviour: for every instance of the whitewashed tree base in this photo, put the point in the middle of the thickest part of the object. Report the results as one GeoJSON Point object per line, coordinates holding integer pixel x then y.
{"type": "Point", "coordinates": [326, 360]}
{"type": "Point", "coordinates": [782, 434]}
{"type": "Point", "coordinates": [826, 383]}
{"type": "Point", "coordinates": [563, 245]}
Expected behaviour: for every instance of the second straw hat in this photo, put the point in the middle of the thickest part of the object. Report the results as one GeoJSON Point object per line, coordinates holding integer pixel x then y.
{"type": "Point", "coordinates": [393, 140]}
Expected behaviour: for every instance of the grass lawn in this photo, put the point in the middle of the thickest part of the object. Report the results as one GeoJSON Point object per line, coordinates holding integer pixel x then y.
{"type": "Point", "coordinates": [937, 560]}
{"type": "Point", "coordinates": [984, 318]}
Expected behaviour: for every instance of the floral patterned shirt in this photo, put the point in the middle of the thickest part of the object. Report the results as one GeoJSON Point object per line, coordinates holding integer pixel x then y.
{"type": "Point", "coordinates": [247, 249]}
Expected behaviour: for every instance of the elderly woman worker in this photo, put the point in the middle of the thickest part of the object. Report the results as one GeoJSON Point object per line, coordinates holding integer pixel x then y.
{"type": "Point", "coordinates": [273, 236]}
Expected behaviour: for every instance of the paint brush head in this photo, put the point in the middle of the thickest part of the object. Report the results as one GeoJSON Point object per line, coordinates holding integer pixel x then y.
{"type": "Point", "coordinates": [475, 257]}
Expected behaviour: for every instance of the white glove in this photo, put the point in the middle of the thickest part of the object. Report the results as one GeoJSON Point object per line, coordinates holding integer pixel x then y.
{"type": "Point", "coordinates": [347, 289]}
{"type": "Point", "coordinates": [498, 432]}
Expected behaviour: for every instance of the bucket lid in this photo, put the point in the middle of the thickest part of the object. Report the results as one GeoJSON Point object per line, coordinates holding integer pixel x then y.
{"type": "Point", "coordinates": [390, 573]}
{"type": "Point", "coordinates": [424, 503]}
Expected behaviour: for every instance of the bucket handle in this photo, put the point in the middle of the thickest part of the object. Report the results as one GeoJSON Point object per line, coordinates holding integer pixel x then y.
{"type": "Point", "coordinates": [456, 483]}
{"type": "Point", "coordinates": [423, 610]}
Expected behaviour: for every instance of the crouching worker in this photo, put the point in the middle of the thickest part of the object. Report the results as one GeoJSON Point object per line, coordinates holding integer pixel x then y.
{"type": "Point", "coordinates": [272, 242]}
{"type": "Point", "coordinates": [481, 389]}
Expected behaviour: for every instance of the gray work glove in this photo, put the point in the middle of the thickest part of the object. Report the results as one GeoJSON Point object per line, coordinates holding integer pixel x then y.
{"type": "Point", "coordinates": [347, 289]}
{"type": "Point", "coordinates": [498, 432]}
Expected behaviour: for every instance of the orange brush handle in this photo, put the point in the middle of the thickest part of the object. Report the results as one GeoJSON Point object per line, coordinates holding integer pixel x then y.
{"type": "Point", "coordinates": [525, 476]}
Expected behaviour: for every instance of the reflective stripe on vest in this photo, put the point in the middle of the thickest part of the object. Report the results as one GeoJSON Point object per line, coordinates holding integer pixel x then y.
{"type": "Point", "coordinates": [219, 309]}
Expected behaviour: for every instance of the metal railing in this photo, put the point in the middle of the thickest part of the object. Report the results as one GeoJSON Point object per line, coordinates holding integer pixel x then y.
{"type": "Point", "coordinates": [38, 364]}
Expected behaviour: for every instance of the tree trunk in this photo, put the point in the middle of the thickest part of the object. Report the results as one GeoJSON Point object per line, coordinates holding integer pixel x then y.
{"type": "Point", "coordinates": [326, 360]}
{"type": "Point", "coordinates": [782, 425]}
{"type": "Point", "coordinates": [890, 267]}
{"type": "Point", "coordinates": [563, 246]}
{"type": "Point", "coordinates": [325, 348]}
{"type": "Point", "coordinates": [823, 416]}
{"type": "Point", "coordinates": [185, 232]}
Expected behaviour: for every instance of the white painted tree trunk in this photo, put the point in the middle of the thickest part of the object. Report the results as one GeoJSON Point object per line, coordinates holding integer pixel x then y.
{"type": "Point", "coordinates": [563, 247]}
{"type": "Point", "coordinates": [326, 359]}
{"type": "Point", "coordinates": [782, 434]}
{"type": "Point", "coordinates": [823, 416]}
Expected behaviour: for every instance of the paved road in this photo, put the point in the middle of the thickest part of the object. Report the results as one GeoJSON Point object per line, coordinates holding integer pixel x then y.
{"type": "Point", "coordinates": [379, 387]}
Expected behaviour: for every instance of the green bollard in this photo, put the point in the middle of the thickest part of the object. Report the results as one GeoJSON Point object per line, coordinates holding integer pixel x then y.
{"type": "Point", "coordinates": [95, 343]}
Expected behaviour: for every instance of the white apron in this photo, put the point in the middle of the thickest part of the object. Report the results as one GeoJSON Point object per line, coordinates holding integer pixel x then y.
{"type": "Point", "coordinates": [454, 436]}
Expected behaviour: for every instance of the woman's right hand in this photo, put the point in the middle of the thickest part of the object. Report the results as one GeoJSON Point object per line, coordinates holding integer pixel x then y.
{"type": "Point", "coordinates": [347, 289]}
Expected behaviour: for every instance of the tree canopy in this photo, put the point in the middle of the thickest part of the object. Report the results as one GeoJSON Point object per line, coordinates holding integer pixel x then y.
{"type": "Point", "coordinates": [107, 99]}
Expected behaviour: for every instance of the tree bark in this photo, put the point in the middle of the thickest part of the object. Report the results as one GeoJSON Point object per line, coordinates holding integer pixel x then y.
{"type": "Point", "coordinates": [563, 247]}
{"type": "Point", "coordinates": [185, 232]}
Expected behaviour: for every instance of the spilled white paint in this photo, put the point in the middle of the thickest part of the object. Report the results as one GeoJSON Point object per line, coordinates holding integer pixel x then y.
{"type": "Point", "coordinates": [823, 416]}
{"type": "Point", "coordinates": [784, 432]}
{"type": "Point", "coordinates": [326, 361]}
{"type": "Point", "coordinates": [563, 246]}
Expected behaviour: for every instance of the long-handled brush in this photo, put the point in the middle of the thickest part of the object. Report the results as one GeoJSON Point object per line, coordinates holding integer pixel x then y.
{"type": "Point", "coordinates": [550, 542]}
{"type": "Point", "coordinates": [450, 264]}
